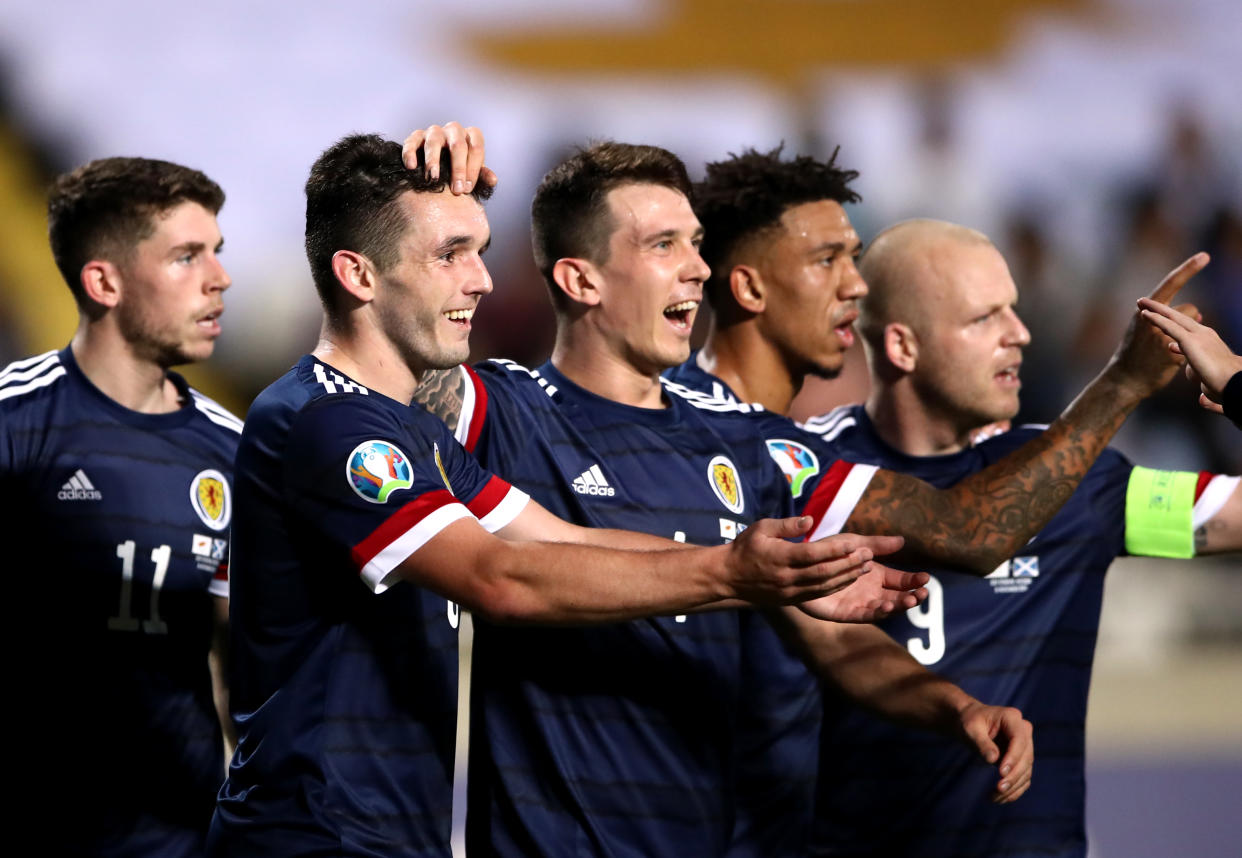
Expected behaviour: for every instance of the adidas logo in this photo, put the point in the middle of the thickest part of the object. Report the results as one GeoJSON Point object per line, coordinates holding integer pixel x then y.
{"type": "Point", "coordinates": [592, 482]}
{"type": "Point", "coordinates": [79, 488]}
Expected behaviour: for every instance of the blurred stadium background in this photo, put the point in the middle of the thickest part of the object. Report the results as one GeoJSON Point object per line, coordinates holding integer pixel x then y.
{"type": "Point", "coordinates": [1098, 142]}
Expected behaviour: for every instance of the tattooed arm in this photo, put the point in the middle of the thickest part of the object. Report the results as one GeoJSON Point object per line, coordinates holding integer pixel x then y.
{"type": "Point", "coordinates": [986, 518]}
{"type": "Point", "coordinates": [440, 391]}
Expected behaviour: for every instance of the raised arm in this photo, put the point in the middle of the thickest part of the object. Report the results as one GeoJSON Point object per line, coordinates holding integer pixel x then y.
{"type": "Point", "coordinates": [987, 517]}
{"type": "Point", "coordinates": [872, 670]}
{"type": "Point", "coordinates": [1216, 369]}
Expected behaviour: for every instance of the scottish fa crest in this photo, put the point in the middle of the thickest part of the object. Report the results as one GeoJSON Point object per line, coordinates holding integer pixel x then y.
{"type": "Point", "coordinates": [796, 462]}
{"type": "Point", "coordinates": [209, 495]}
{"type": "Point", "coordinates": [376, 469]}
{"type": "Point", "coordinates": [722, 474]}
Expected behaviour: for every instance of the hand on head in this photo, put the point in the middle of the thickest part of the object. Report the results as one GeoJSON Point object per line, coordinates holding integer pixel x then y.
{"type": "Point", "coordinates": [466, 149]}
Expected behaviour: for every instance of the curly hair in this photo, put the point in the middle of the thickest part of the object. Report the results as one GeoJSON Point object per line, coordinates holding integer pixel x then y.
{"type": "Point", "coordinates": [748, 193]}
{"type": "Point", "coordinates": [351, 204]}
{"type": "Point", "coordinates": [106, 207]}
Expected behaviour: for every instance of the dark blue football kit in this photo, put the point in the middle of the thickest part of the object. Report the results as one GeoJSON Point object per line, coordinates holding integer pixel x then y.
{"type": "Point", "coordinates": [780, 718]}
{"type": "Point", "coordinates": [345, 675]}
{"type": "Point", "coordinates": [617, 740]}
{"type": "Point", "coordinates": [116, 536]}
{"type": "Point", "coordinates": [1024, 636]}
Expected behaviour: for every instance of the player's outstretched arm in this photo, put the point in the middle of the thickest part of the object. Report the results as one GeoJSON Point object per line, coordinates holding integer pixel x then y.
{"type": "Point", "coordinates": [872, 670]}
{"type": "Point", "coordinates": [513, 580]}
{"type": "Point", "coordinates": [1212, 365]}
{"type": "Point", "coordinates": [987, 517]}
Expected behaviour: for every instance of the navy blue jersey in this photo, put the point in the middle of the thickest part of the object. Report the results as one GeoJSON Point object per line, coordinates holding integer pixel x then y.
{"type": "Point", "coordinates": [344, 675]}
{"type": "Point", "coordinates": [1023, 636]}
{"type": "Point", "coordinates": [779, 721]}
{"type": "Point", "coordinates": [115, 536]}
{"type": "Point", "coordinates": [619, 739]}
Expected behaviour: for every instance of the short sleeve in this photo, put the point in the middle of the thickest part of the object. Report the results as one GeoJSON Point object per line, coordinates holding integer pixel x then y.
{"type": "Point", "coordinates": [377, 485]}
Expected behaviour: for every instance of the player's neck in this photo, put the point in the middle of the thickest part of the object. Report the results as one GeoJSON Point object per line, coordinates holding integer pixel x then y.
{"type": "Point", "coordinates": [740, 357]}
{"type": "Point", "coordinates": [369, 360]}
{"type": "Point", "coordinates": [908, 425]}
{"type": "Point", "coordinates": [589, 363]}
{"type": "Point", "coordinates": [114, 366]}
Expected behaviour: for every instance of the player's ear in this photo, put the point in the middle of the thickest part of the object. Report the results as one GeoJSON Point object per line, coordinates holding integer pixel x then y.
{"type": "Point", "coordinates": [901, 346]}
{"type": "Point", "coordinates": [747, 288]}
{"type": "Point", "coordinates": [356, 274]}
{"type": "Point", "coordinates": [578, 279]}
{"type": "Point", "coordinates": [101, 281]}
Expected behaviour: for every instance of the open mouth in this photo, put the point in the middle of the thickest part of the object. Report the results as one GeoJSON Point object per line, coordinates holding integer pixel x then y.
{"type": "Point", "coordinates": [1009, 375]}
{"type": "Point", "coordinates": [681, 314]}
{"type": "Point", "coordinates": [845, 333]}
{"type": "Point", "coordinates": [211, 322]}
{"type": "Point", "coordinates": [844, 329]}
{"type": "Point", "coordinates": [459, 317]}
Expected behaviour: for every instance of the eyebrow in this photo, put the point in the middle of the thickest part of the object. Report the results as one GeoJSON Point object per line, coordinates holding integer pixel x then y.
{"type": "Point", "coordinates": [669, 233]}
{"type": "Point", "coordinates": [456, 242]}
{"type": "Point", "coordinates": [193, 247]}
{"type": "Point", "coordinates": [836, 247]}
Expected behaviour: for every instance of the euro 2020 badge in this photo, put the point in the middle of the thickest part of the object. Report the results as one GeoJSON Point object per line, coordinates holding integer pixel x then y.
{"type": "Point", "coordinates": [722, 475]}
{"type": "Point", "coordinates": [795, 460]}
{"type": "Point", "coordinates": [376, 469]}
{"type": "Point", "coordinates": [209, 495]}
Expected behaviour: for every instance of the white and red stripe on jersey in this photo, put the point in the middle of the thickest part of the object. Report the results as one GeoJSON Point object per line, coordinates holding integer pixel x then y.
{"type": "Point", "coordinates": [1212, 491]}
{"type": "Point", "coordinates": [418, 521]}
{"type": "Point", "coordinates": [835, 496]}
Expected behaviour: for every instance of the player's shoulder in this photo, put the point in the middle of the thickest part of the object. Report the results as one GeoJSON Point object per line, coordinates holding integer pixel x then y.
{"type": "Point", "coordinates": [313, 397]}
{"type": "Point", "coordinates": [842, 421]}
{"type": "Point", "coordinates": [1110, 461]}
{"type": "Point", "coordinates": [31, 382]}
{"type": "Point", "coordinates": [711, 401]}
{"type": "Point", "coordinates": [504, 376]}
{"type": "Point", "coordinates": [216, 414]}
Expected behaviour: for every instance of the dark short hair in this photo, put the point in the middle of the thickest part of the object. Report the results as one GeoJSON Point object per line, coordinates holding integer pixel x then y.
{"type": "Point", "coordinates": [105, 208]}
{"type": "Point", "coordinates": [351, 204]}
{"type": "Point", "coordinates": [570, 216]}
{"type": "Point", "coordinates": [748, 193]}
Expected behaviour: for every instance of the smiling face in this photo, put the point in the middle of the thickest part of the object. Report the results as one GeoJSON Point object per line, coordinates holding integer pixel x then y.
{"type": "Point", "coordinates": [173, 286]}
{"type": "Point", "coordinates": [424, 303]}
{"type": "Point", "coordinates": [806, 263]}
{"type": "Point", "coordinates": [970, 338]}
{"type": "Point", "coordinates": [651, 285]}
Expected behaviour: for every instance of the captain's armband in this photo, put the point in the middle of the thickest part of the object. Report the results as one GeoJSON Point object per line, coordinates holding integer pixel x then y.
{"type": "Point", "coordinates": [1160, 513]}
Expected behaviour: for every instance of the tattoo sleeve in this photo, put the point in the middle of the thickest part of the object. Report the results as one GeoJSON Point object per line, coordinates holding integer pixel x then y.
{"type": "Point", "coordinates": [983, 520]}
{"type": "Point", "coordinates": [441, 392]}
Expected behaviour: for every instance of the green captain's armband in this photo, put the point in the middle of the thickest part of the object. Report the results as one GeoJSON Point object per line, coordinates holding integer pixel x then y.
{"type": "Point", "coordinates": [1159, 510]}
